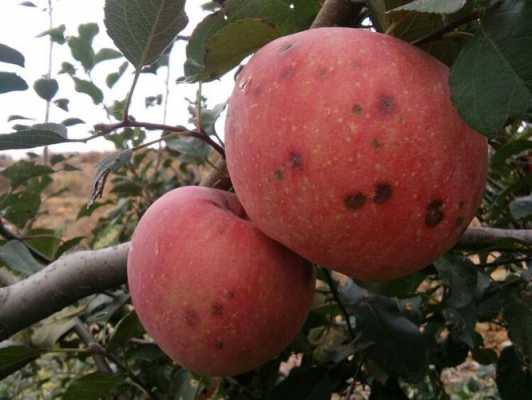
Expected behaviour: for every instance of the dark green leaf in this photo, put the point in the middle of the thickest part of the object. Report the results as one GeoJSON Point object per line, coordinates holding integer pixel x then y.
{"type": "Point", "coordinates": [45, 241]}
{"type": "Point", "coordinates": [89, 88]}
{"type": "Point", "coordinates": [192, 150]}
{"type": "Point", "coordinates": [115, 76]}
{"type": "Point", "coordinates": [10, 82]}
{"type": "Point", "coordinates": [81, 46]}
{"type": "Point", "coordinates": [509, 150]}
{"type": "Point", "coordinates": [62, 104]}
{"type": "Point", "coordinates": [13, 358]}
{"type": "Point", "coordinates": [11, 56]}
{"type": "Point", "coordinates": [518, 314]}
{"type": "Point", "coordinates": [388, 391]}
{"type": "Point", "coordinates": [17, 117]}
{"type": "Point", "coordinates": [57, 35]}
{"type": "Point", "coordinates": [397, 344]}
{"type": "Point", "coordinates": [16, 256]}
{"type": "Point", "coordinates": [128, 327]}
{"type": "Point", "coordinates": [103, 307]}
{"type": "Point", "coordinates": [404, 287]}
{"type": "Point", "coordinates": [461, 323]}
{"type": "Point", "coordinates": [106, 54]}
{"type": "Point", "coordinates": [69, 245]}
{"type": "Point", "coordinates": [491, 81]}
{"type": "Point", "coordinates": [94, 386]}
{"type": "Point", "coordinates": [23, 170]}
{"type": "Point", "coordinates": [143, 29]}
{"type": "Point", "coordinates": [46, 88]}
{"type": "Point", "coordinates": [46, 335]}
{"type": "Point", "coordinates": [432, 6]}
{"type": "Point", "coordinates": [513, 380]}
{"type": "Point", "coordinates": [27, 4]}
{"type": "Point", "coordinates": [20, 207]}
{"type": "Point", "coordinates": [460, 277]}
{"type": "Point", "coordinates": [521, 207]}
{"type": "Point", "coordinates": [307, 384]}
{"type": "Point", "coordinates": [110, 163]}
{"type": "Point", "coordinates": [38, 135]}
{"type": "Point", "coordinates": [72, 122]}
{"type": "Point", "coordinates": [67, 68]}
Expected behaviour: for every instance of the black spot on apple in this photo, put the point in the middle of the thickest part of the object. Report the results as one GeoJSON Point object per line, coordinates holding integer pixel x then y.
{"type": "Point", "coordinates": [383, 193]}
{"type": "Point", "coordinates": [285, 47]}
{"type": "Point", "coordinates": [230, 295]}
{"type": "Point", "coordinates": [191, 318]}
{"type": "Point", "coordinates": [376, 144]}
{"type": "Point", "coordinates": [219, 344]}
{"type": "Point", "coordinates": [461, 205]}
{"type": "Point", "coordinates": [217, 309]}
{"type": "Point", "coordinates": [322, 71]}
{"type": "Point", "coordinates": [257, 91]}
{"type": "Point", "coordinates": [386, 105]}
{"type": "Point", "coordinates": [434, 214]}
{"type": "Point", "coordinates": [295, 160]}
{"type": "Point", "coordinates": [287, 73]}
{"type": "Point", "coordinates": [278, 174]}
{"type": "Point", "coordinates": [355, 201]}
{"type": "Point", "coordinates": [357, 109]}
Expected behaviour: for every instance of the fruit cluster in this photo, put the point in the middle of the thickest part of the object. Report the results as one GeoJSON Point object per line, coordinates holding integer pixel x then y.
{"type": "Point", "coordinates": [345, 150]}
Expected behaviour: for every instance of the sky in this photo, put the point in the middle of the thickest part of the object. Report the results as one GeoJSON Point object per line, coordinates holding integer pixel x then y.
{"type": "Point", "coordinates": [19, 28]}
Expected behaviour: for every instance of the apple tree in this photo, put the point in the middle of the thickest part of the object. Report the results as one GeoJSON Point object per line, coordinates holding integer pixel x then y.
{"type": "Point", "coordinates": [68, 326]}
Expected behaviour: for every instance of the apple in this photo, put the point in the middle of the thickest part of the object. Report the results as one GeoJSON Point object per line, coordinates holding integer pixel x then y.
{"type": "Point", "coordinates": [343, 145]}
{"type": "Point", "coordinates": [216, 294]}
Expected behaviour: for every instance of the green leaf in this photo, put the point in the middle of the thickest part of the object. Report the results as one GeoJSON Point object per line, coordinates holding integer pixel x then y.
{"type": "Point", "coordinates": [460, 277]}
{"type": "Point", "coordinates": [115, 76]}
{"type": "Point", "coordinates": [223, 39]}
{"type": "Point", "coordinates": [72, 122]}
{"type": "Point", "coordinates": [397, 344]}
{"type": "Point", "coordinates": [10, 82]}
{"type": "Point", "coordinates": [90, 89]}
{"type": "Point", "coordinates": [513, 381]}
{"type": "Point", "coordinates": [67, 68]}
{"type": "Point", "coordinates": [11, 56]}
{"type": "Point", "coordinates": [27, 4]}
{"type": "Point", "coordinates": [110, 163]}
{"type": "Point", "coordinates": [20, 207]}
{"type": "Point", "coordinates": [127, 328]}
{"type": "Point", "coordinates": [518, 314]}
{"type": "Point", "coordinates": [17, 117]}
{"type": "Point", "coordinates": [15, 357]}
{"type": "Point", "coordinates": [46, 335]}
{"type": "Point", "coordinates": [432, 6]}
{"type": "Point", "coordinates": [81, 46]}
{"type": "Point", "coordinates": [233, 43]}
{"type": "Point", "coordinates": [62, 104]}
{"type": "Point", "coordinates": [108, 236]}
{"type": "Point", "coordinates": [106, 54]}
{"type": "Point", "coordinates": [57, 34]}
{"type": "Point", "coordinates": [23, 170]}
{"type": "Point", "coordinates": [521, 207]}
{"type": "Point", "coordinates": [491, 81]}
{"type": "Point", "coordinates": [38, 135]}
{"type": "Point", "coordinates": [192, 150]}
{"type": "Point", "coordinates": [46, 88]}
{"type": "Point", "coordinates": [143, 29]}
{"type": "Point", "coordinates": [316, 383]}
{"type": "Point", "coordinates": [16, 256]}
{"type": "Point", "coordinates": [94, 386]}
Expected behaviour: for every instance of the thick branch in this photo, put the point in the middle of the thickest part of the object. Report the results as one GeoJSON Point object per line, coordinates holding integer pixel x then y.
{"type": "Point", "coordinates": [62, 283]}
{"type": "Point", "coordinates": [490, 236]}
{"type": "Point", "coordinates": [336, 12]}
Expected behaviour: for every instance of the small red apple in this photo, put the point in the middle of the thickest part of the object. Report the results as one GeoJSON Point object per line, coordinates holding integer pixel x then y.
{"type": "Point", "coordinates": [343, 145]}
{"type": "Point", "coordinates": [217, 295]}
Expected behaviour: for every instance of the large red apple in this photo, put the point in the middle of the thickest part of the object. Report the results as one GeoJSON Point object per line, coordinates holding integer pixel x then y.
{"type": "Point", "coordinates": [216, 294]}
{"type": "Point", "coordinates": [343, 145]}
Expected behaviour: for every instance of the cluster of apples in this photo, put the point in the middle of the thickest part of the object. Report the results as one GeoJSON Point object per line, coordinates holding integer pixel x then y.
{"type": "Point", "coordinates": [344, 150]}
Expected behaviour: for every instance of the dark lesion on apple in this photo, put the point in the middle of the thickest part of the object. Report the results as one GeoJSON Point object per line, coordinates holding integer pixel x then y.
{"type": "Point", "coordinates": [386, 104]}
{"type": "Point", "coordinates": [285, 47]}
{"type": "Point", "coordinates": [383, 193]}
{"type": "Point", "coordinates": [434, 214]}
{"type": "Point", "coordinates": [355, 201]}
{"type": "Point", "coordinates": [191, 318]}
{"type": "Point", "coordinates": [217, 309]}
{"type": "Point", "coordinates": [219, 344]}
{"type": "Point", "coordinates": [295, 160]}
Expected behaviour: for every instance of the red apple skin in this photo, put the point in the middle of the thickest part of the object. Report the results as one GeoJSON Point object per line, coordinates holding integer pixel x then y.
{"type": "Point", "coordinates": [343, 145]}
{"type": "Point", "coordinates": [216, 294]}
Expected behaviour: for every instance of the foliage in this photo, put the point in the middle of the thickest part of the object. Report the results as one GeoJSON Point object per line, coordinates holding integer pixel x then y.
{"type": "Point", "coordinates": [392, 339]}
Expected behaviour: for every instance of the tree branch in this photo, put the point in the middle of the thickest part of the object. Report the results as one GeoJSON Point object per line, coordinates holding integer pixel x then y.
{"type": "Point", "coordinates": [336, 12]}
{"type": "Point", "coordinates": [81, 274]}
{"type": "Point", "coordinates": [62, 283]}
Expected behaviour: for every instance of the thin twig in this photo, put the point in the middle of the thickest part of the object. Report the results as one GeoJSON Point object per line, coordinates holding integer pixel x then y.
{"type": "Point", "coordinates": [334, 290]}
{"type": "Point", "coordinates": [446, 29]}
{"type": "Point", "coordinates": [7, 234]}
{"type": "Point", "coordinates": [130, 94]}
